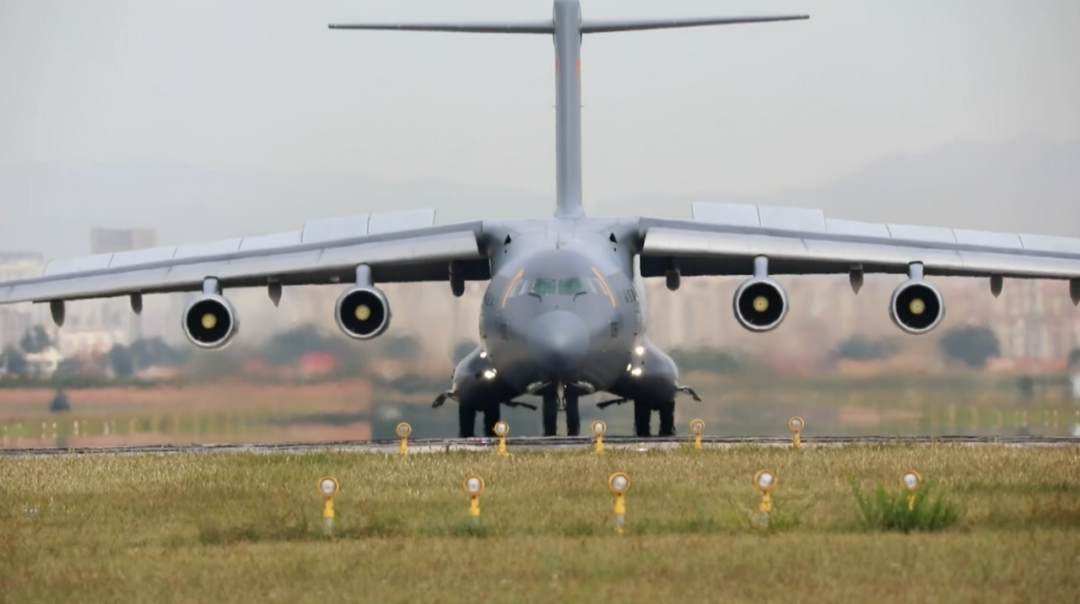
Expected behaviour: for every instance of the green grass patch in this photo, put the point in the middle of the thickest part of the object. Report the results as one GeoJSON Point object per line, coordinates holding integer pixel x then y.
{"type": "Point", "coordinates": [248, 527]}
{"type": "Point", "coordinates": [897, 510]}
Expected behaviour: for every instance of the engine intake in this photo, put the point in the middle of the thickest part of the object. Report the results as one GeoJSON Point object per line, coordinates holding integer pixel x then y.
{"type": "Point", "coordinates": [363, 313]}
{"type": "Point", "coordinates": [916, 307]}
{"type": "Point", "coordinates": [210, 321]}
{"type": "Point", "coordinates": [760, 304]}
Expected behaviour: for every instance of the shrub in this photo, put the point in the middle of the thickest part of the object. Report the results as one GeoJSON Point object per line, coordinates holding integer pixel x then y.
{"type": "Point", "coordinates": [887, 510]}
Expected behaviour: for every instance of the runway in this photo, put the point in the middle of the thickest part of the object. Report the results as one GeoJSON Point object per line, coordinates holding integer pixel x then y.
{"type": "Point", "coordinates": [538, 444]}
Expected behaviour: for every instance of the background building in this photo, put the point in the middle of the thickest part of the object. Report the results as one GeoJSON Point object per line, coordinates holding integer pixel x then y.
{"type": "Point", "coordinates": [109, 241]}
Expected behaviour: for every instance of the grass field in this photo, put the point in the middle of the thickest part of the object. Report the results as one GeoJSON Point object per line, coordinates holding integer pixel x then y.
{"type": "Point", "coordinates": [247, 528]}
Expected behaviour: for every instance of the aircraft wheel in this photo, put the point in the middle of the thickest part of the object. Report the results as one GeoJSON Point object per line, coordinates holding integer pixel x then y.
{"type": "Point", "coordinates": [667, 418]}
{"type": "Point", "coordinates": [551, 414]}
{"type": "Point", "coordinates": [491, 417]}
{"type": "Point", "coordinates": [466, 420]}
{"type": "Point", "coordinates": [642, 418]}
{"type": "Point", "coordinates": [573, 416]}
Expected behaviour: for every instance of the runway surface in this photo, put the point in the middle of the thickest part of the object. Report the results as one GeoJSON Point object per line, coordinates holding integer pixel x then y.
{"type": "Point", "coordinates": [439, 445]}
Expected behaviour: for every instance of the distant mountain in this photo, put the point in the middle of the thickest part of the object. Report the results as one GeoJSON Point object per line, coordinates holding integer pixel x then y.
{"type": "Point", "coordinates": [1028, 185]}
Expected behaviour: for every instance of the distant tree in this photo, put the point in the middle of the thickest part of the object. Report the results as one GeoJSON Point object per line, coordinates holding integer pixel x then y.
{"type": "Point", "coordinates": [154, 352]}
{"type": "Point", "coordinates": [861, 348]}
{"type": "Point", "coordinates": [13, 362]}
{"type": "Point", "coordinates": [972, 345]}
{"type": "Point", "coordinates": [404, 347]}
{"type": "Point", "coordinates": [286, 348]}
{"type": "Point", "coordinates": [69, 367]}
{"type": "Point", "coordinates": [1074, 357]}
{"type": "Point", "coordinates": [1026, 386]}
{"type": "Point", "coordinates": [462, 350]}
{"type": "Point", "coordinates": [60, 402]}
{"type": "Point", "coordinates": [35, 340]}
{"type": "Point", "coordinates": [121, 361]}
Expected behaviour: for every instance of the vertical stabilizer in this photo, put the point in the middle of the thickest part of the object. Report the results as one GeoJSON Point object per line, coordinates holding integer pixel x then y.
{"type": "Point", "coordinates": [567, 27]}
{"type": "Point", "coordinates": [567, 18]}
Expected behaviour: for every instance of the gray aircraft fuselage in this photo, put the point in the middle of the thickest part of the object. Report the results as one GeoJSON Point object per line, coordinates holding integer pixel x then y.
{"type": "Point", "coordinates": [562, 316]}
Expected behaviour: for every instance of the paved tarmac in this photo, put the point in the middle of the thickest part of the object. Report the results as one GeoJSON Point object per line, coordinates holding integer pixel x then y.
{"type": "Point", "coordinates": [439, 445]}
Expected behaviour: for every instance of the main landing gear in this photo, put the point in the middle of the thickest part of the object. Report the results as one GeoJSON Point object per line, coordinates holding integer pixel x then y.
{"type": "Point", "coordinates": [643, 410]}
{"type": "Point", "coordinates": [467, 413]}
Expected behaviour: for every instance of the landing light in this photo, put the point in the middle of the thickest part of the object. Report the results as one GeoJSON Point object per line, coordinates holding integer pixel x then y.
{"type": "Point", "coordinates": [636, 371]}
{"type": "Point", "coordinates": [328, 487]}
{"type": "Point", "coordinates": [403, 430]}
{"type": "Point", "coordinates": [483, 354]}
{"type": "Point", "coordinates": [599, 428]}
{"type": "Point", "coordinates": [490, 374]}
{"type": "Point", "coordinates": [619, 484]}
{"type": "Point", "coordinates": [501, 429]}
{"type": "Point", "coordinates": [640, 351]}
{"type": "Point", "coordinates": [473, 486]}
{"type": "Point", "coordinates": [764, 481]}
{"type": "Point", "coordinates": [629, 366]}
{"type": "Point", "coordinates": [909, 481]}
{"type": "Point", "coordinates": [697, 428]}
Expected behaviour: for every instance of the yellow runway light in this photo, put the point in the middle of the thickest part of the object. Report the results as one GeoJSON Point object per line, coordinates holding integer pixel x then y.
{"type": "Point", "coordinates": [501, 430]}
{"type": "Point", "coordinates": [697, 428]}
{"type": "Point", "coordinates": [599, 428]}
{"type": "Point", "coordinates": [619, 484]}
{"type": "Point", "coordinates": [910, 481]}
{"type": "Point", "coordinates": [764, 482]}
{"type": "Point", "coordinates": [473, 486]}
{"type": "Point", "coordinates": [328, 487]}
{"type": "Point", "coordinates": [796, 425]}
{"type": "Point", "coordinates": [403, 430]}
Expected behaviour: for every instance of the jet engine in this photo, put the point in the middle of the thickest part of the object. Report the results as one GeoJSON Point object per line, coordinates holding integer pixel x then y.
{"type": "Point", "coordinates": [363, 313]}
{"type": "Point", "coordinates": [210, 321]}
{"type": "Point", "coordinates": [760, 304]}
{"type": "Point", "coordinates": [916, 307]}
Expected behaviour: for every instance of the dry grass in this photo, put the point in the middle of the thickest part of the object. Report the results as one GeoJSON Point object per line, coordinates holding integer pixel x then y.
{"type": "Point", "coordinates": [245, 528]}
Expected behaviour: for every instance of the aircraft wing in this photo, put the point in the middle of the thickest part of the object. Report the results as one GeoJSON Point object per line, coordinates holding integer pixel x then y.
{"type": "Point", "coordinates": [402, 246]}
{"type": "Point", "coordinates": [724, 239]}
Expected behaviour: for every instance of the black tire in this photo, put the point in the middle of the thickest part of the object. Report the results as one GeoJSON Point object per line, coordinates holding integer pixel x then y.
{"type": "Point", "coordinates": [466, 420]}
{"type": "Point", "coordinates": [642, 418]}
{"type": "Point", "coordinates": [573, 416]}
{"type": "Point", "coordinates": [550, 411]}
{"type": "Point", "coordinates": [667, 418]}
{"type": "Point", "coordinates": [491, 417]}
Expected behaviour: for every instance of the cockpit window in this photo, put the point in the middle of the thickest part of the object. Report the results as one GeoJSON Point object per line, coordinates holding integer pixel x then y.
{"type": "Point", "coordinates": [544, 287]}
{"type": "Point", "coordinates": [561, 287]}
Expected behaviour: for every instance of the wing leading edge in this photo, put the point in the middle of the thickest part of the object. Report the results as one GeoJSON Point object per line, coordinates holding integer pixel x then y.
{"type": "Point", "coordinates": [398, 246]}
{"type": "Point", "coordinates": [724, 239]}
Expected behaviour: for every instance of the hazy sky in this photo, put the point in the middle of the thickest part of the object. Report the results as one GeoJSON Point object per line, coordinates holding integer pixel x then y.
{"type": "Point", "coordinates": [741, 109]}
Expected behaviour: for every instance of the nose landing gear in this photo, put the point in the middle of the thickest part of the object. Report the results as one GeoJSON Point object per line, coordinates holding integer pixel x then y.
{"type": "Point", "coordinates": [561, 400]}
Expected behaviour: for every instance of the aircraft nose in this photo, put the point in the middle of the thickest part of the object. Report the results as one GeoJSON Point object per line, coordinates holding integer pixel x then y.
{"type": "Point", "coordinates": [558, 341]}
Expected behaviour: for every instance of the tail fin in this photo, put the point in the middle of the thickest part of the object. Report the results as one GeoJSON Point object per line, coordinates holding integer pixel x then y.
{"type": "Point", "coordinates": [567, 27]}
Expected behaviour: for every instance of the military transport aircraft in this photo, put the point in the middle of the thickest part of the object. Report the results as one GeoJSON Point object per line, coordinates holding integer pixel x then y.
{"type": "Point", "coordinates": [562, 314]}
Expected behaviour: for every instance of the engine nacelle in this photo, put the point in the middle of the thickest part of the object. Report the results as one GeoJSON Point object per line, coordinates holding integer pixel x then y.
{"type": "Point", "coordinates": [362, 313]}
{"type": "Point", "coordinates": [760, 304]}
{"type": "Point", "coordinates": [916, 307]}
{"type": "Point", "coordinates": [210, 321]}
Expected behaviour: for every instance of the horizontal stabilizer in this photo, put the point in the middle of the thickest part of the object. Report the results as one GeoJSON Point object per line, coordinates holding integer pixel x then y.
{"type": "Point", "coordinates": [596, 26]}
{"type": "Point", "coordinates": [507, 27]}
